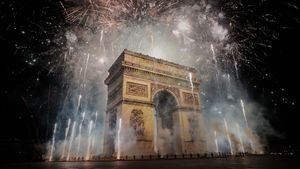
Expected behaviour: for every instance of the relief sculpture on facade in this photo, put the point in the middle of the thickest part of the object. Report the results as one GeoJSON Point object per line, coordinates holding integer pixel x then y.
{"type": "Point", "coordinates": [189, 98]}
{"type": "Point", "coordinates": [136, 89]}
{"type": "Point", "coordinates": [137, 123]}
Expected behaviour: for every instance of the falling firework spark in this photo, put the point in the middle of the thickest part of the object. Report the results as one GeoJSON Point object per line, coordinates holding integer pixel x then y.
{"type": "Point", "coordinates": [53, 143]}
{"type": "Point", "coordinates": [240, 138]}
{"type": "Point", "coordinates": [79, 100]}
{"type": "Point", "coordinates": [118, 139]}
{"type": "Point", "coordinates": [228, 137]}
{"type": "Point", "coordinates": [214, 53]}
{"type": "Point", "coordinates": [191, 81]}
{"type": "Point", "coordinates": [79, 134]}
{"type": "Point", "coordinates": [71, 141]}
{"type": "Point", "coordinates": [244, 113]}
{"type": "Point", "coordinates": [65, 140]}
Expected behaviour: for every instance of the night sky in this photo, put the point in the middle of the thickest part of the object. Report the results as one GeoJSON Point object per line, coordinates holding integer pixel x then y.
{"type": "Point", "coordinates": [31, 87]}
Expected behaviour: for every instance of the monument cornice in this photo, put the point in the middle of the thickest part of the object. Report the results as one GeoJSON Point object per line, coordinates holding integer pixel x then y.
{"type": "Point", "coordinates": [157, 60]}
{"type": "Point", "coordinates": [157, 71]}
{"type": "Point", "coordinates": [158, 74]}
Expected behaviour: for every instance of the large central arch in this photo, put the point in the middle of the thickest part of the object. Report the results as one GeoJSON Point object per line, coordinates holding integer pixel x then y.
{"type": "Point", "coordinates": [158, 102]}
{"type": "Point", "coordinates": [166, 133]}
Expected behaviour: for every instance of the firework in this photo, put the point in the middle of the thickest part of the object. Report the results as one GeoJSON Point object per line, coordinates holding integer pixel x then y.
{"type": "Point", "coordinates": [192, 33]}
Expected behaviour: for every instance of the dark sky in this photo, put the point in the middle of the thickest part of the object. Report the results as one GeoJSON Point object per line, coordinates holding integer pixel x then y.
{"type": "Point", "coordinates": [27, 28]}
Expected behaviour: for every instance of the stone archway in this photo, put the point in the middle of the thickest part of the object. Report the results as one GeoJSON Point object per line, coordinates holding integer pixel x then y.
{"type": "Point", "coordinates": [139, 86]}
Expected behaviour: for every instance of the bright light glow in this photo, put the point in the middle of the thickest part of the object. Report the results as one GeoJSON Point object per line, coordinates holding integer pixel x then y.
{"type": "Point", "coordinates": [184, 26]}
{"type": "Point", "coordinates": [176, 33]}
{"type": "Point", "coordinates": [156, 52]}
{"type": "Point", "coordinates": [101, 60]}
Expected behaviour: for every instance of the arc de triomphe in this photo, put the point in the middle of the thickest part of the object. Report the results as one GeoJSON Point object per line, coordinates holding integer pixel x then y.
{"type": "Point", "coordinates": [153, 106]}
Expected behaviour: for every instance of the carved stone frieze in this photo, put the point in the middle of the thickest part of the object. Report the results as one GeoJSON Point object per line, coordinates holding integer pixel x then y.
{"type": "Point", "coordinates": [189, 98]}
{"type": "Point", "coordinates": [137, 123]}
{"type": "Point", "coordinates": [136, 89]}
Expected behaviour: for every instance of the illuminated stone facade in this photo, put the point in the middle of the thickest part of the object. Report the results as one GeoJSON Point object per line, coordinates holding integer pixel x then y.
{"type": "Point", "coordinates": [133, 82]}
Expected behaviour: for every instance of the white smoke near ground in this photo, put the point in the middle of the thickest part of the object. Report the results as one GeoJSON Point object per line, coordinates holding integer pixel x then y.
{"type": "Point", "coordinates": [127, 141]}
{"type": "Point", "coordinates": [185, 34]}
{"type": "Point", "coordinates": [164, 141]}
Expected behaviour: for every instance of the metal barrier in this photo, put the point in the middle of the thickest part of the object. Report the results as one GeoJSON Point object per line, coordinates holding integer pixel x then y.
{"type": "Point", "coordinates": [161, 157]}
